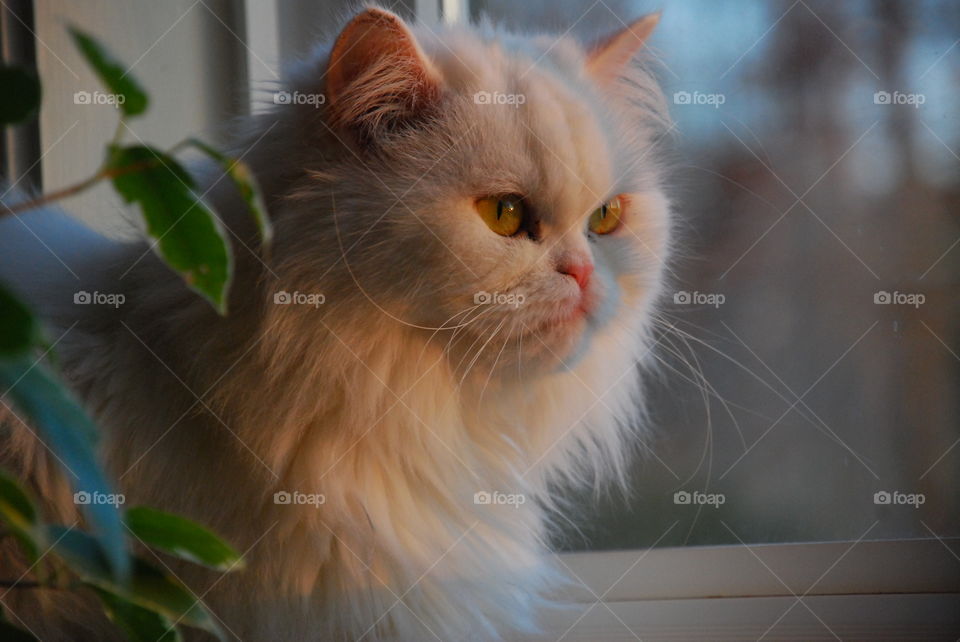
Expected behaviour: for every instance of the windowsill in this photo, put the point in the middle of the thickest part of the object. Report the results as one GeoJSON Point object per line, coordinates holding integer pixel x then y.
{"type": "Point", "coordinates": [868, 590]}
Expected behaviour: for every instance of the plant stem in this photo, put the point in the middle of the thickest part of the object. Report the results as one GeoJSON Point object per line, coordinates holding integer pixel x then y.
{"type": "Point", "coordinates": [53, 196]}
{"type": "Point", "coordinates": [76, 188]}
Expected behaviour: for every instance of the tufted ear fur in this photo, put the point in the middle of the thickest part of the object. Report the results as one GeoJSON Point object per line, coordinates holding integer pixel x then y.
{"type": "Point", "coordinates": [609, 55]}
{"type": "Point", "coordinates": [377, 76]}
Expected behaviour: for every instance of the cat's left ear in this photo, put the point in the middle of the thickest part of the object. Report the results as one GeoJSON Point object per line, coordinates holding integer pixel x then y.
{"type": "Point", "coordinates": [607, 57]}
{"type": "Point", "coordinates": [377, 75]}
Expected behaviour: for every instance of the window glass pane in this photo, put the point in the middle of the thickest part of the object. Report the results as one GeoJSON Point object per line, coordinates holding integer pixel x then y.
{"type": "Point", "coordinates": [808, 389]}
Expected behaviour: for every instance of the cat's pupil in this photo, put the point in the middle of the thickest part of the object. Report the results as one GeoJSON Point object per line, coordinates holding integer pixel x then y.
{"type": "Point", "coordinates": [499, 209]}
{"type": "Point", "coordinates": [603, 211]}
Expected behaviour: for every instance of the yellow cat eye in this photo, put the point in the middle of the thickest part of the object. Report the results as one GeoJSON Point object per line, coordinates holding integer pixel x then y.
{"type": "Point", "coordinates": [606, 218]}
{"type": "Point", "coordinates": [502, 214]}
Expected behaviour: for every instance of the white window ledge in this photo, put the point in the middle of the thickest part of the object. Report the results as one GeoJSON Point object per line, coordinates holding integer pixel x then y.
{"type": "Point", "coordinates": [868, 590]}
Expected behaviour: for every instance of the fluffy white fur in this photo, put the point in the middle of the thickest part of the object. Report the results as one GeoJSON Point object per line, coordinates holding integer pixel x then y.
{"type": "Point", "coordinates": [397, 399]}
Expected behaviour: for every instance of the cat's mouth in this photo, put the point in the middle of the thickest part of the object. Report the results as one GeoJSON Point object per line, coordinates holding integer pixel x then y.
{"type": "Point", "coordinates": [570, 317]}
{"type": "Point", "coordinates": [544, 336]}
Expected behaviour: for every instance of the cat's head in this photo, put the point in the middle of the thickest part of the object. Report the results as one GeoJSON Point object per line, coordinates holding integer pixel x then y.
{"type": "Point", "coordinates": [500, 192]}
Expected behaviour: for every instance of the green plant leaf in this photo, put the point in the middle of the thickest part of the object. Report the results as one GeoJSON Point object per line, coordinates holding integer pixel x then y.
{"type": "Point", "coordinates": [112, 73]}
{"type": "Point", "coordinates": [18, 329]}
{"type": "Point", "coordinates": [181, 537]}
{"type": "Point", "coordinates": [149, 587]}
{"type": "Point", "coordinates": [138, 624]}
{"type": "Point", "coordinates": [240, 173]}
{"type": "Point", "coordinates": [21, 92]}
{"type": "Point", "coordinates": [70, 435]}
{"type": "Point", "coordinates": [15, 506]}
{"type": "Point", "coordinates": [188, 234]}
{"type": "Point", "coordinates": [18, 511]}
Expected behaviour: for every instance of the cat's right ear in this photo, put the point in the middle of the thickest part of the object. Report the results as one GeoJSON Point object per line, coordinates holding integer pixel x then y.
{"type": "Point", "coordinates": [377, 76]}
{"type": "Point", "coordinates": [607, 58]}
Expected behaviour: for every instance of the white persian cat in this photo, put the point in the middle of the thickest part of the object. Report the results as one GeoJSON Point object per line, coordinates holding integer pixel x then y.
{"type": "Point", "coordinates": [470, 236]}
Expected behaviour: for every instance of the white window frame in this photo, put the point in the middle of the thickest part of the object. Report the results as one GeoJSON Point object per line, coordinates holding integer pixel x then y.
{"type": "Point", "coordinates": [891, 589]}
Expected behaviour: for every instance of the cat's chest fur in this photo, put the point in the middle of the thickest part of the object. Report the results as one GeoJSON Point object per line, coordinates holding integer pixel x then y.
{"type": "Point", "coordinates": [401, 480]}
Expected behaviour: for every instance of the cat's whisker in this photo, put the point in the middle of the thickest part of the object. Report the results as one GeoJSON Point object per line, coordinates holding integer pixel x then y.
{"type": "Point", "coordinates": [709, 427]}
{"type": "Point", "coordinates": [706, 390]}
{"type": "Point", "coordinates": [520, 356]}
{"type": "Point", "coordinates": [479, 352]}
{"type": "Point", "coordinates": [443, 326]}
{"type": "Point", "coordinates": [800, 409]}
{"type": "Point", "coordinates": [506, 340]}
{"type": "Point", "coordinates": [455, 336]}
{"type": "Point", "coordinates": [705, 393]}
{"type": "Point", "coordinates": [712, 390]}
{"type": "Point", "coordinates": [458, 331]}
{"type": "Point", "coordinates": [698, 372]}
{"type": "Point", "coordinates": [686, 338]}
{"type": "Point", "coordinates": [705, 456]}
{"type": "Point", "coordinates": [477, 338]}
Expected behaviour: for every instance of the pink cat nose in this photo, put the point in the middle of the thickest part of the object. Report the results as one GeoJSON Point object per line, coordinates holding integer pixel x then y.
{"type": "Point", "coordinates": [579, 270]}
